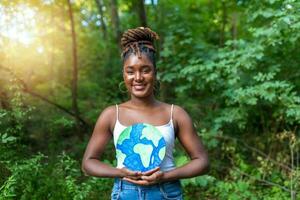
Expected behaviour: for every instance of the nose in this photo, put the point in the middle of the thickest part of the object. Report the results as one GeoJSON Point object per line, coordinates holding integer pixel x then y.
{"type": "Point", "coordinates": [138, 76]}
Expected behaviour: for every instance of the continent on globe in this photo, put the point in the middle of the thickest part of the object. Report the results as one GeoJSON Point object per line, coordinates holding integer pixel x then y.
{"type": "Point", "coordinates": [140, 147]}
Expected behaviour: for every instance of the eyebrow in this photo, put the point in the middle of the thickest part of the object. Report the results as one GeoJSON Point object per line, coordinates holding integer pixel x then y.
{"type": "Point", "coordinates": [143, 66]}
{"type": "Point", "coordinates": [130, 67]}
{"type": "Point", "coordinates": [146, 66]}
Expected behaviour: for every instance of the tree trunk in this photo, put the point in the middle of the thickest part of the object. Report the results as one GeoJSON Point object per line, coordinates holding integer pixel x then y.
{"type": "Point", "coordinates": [234, 25]}
{"type": "Point", "coordinates": [4, 103]}
{"type": "Point", "coordinates": [115, 20]}
{"type": "Point", "coordinates": [103, 25]}
{"type": "Point", "coordinates": [75, 68]}
{"type": "Point", "coordinates": [141, 12]}
{"type": "Point", "coordinates": [223, 25]}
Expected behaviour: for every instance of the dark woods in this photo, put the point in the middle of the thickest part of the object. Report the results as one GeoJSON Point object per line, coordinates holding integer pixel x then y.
{"type": "Point", "coordinates": [234, 65]}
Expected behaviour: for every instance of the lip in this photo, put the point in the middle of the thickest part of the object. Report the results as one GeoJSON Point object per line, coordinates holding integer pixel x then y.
{"type": "Point", "coordinates": [139, 87]}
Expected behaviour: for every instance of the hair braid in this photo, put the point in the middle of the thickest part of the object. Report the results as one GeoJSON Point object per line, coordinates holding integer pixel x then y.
{"type": "Point", "coordinates": [137, 41]}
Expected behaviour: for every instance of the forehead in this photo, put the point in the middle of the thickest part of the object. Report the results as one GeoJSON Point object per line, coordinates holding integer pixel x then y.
{"type": "Point", "coordinates": [134, 60]}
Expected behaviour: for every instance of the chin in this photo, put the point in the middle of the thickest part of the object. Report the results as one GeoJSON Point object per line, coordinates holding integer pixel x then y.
{"type": "Point", "coordinates": [141, 94]}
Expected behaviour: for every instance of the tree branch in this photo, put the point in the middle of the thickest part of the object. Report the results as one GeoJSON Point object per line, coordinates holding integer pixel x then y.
{"type": "Point", "coordinates": [286, 167]}
{"type": "Point", "coordinates": [27, 90]}
{"type": "Point", "coordinates": [263, 181]}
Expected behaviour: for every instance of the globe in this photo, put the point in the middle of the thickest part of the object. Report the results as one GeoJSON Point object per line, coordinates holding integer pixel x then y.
{"type": "Point", "coordinates": [140, 147]}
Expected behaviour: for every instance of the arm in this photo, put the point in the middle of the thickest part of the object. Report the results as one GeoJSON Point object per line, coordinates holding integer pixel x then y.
{"type": "Point", "coordinates": [199, 163]}
{"type": "Point", "coordinates": [102, 134]}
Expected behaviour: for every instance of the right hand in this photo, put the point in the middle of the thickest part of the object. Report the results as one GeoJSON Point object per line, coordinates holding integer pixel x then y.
{"type": "Point", "coordinates": [148, 178]}
{"type": "Point", "coordinates": [135, 175]}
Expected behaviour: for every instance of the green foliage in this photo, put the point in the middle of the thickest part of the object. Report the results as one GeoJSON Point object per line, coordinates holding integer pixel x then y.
{"type": "Point", "coordinates": [37, 178]}
{"type": "Point", "coordinates": [234, 65]}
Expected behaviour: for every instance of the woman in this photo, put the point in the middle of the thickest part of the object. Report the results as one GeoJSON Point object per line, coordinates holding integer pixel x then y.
{"type": "Point", "coordinates": [139, 73]}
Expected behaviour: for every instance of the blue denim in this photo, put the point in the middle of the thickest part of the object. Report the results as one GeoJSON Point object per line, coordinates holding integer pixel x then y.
{"type": "Point", "coordinates": [124, 190]}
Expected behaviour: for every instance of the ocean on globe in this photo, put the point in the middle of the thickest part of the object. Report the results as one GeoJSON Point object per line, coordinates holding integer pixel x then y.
{"type": "Point", "coordinates": [140, 147]}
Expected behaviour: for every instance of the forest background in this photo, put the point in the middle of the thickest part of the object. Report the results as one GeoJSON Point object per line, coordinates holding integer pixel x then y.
{"type": "Point", "coordinates": [233, 65]}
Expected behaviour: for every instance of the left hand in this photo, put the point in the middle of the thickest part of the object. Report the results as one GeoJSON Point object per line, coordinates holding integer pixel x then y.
{"type": "Point", "coordinates": [148, 178]}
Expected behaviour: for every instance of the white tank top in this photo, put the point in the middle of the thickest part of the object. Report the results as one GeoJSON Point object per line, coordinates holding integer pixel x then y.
{"type": "Point", "coordinates": [167, 131]}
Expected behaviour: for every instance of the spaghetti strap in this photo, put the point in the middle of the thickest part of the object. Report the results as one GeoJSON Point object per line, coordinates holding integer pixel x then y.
{"type": "Point", "coordinates": [171, 112]}
{"type": "Point", "coordinates": [117, 109]}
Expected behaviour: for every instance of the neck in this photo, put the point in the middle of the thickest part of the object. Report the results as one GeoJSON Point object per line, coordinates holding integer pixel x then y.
{"type": "Point", "coordinates": [144, 101]}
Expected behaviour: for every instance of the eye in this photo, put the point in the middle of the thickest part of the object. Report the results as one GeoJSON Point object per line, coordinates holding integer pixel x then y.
{"type": "Point", "coordinates": [146, 70]}
{"type": "Point", "coordinates": [129, 72]}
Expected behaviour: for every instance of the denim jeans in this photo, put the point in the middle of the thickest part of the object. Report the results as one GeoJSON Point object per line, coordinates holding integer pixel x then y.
{"type": "Point", "coordinates": [124, 190]}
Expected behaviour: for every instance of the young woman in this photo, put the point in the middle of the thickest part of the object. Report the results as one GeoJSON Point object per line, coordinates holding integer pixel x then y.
{"type": "Point", "coordinates": [139, 74]}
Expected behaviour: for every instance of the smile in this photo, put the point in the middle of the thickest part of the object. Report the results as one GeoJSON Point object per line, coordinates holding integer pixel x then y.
{"type": "Point", "coordinates": [139, 87]}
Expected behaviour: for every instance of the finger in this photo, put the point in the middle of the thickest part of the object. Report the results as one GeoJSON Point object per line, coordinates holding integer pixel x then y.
{"type": "Point", "coordinates": [147, 173]}
{"type": "Point", "coordinates": [153, 177]}
{"type": "Point", "coordinates": [147, 178]}
{"type": "Point", "coordinates": [138, 182]}
{"type": "Point", "coordinates": [131, 173]}
{"type": "Point", "coordinates": [133, 177]}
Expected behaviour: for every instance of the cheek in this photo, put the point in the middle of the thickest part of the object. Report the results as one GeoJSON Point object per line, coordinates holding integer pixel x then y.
{"type": "Point", "coordinates": [127, 81]}
{"type": "Point", "coordinates": [126, 77]}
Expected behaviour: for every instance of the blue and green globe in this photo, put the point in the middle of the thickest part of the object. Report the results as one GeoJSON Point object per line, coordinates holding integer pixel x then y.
{"type": "Point", "coordinates": [140, 147]}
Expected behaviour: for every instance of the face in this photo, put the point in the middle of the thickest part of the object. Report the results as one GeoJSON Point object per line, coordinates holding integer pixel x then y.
{"type": "Point", "coordinates": [139, 76]}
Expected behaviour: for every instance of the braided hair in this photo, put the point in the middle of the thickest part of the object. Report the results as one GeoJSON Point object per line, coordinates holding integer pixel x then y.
{"type": "Point", "coordinates": [137, 41]}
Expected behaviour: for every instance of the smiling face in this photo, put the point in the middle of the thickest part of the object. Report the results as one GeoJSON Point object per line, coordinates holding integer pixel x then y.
{"type": "Point", "coordinates": [139, 76]}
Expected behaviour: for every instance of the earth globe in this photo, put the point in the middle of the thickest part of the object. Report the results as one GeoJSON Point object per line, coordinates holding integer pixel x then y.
{"type": "Point", "coordinates": [140, 147]}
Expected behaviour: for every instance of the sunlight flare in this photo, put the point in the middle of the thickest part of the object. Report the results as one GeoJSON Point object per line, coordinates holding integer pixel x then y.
{"type": "Point", "coordinates": [18, 24]}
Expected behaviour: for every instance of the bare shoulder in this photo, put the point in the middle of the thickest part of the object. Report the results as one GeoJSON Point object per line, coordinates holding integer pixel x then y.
{"type": "Point", "coordinates": [181, 118]}
{"type": "Point", "coordinates": [164, 105]}
{"type": "Point", "coordinates": [107, 117]}
{"type": "Point", "coordinates": [180, 112]}
{"type": "Point", "coordinates": [109, 110]}
{"type": "Point", "coordinates": [124, 104]}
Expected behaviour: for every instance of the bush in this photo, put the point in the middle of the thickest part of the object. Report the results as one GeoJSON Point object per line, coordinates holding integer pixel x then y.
{"type": "Point", "coordinates": [38, 178]}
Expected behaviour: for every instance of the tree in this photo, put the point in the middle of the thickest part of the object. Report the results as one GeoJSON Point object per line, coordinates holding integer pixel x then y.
{"type": "Point", "coordinates": [75, 69]}
{"type": "Point", "coordinates": [100, 5]}
{"type": "Point", "coordinates": [140, 8]}
{"type": "Point", "coordinates": [115, 21]}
